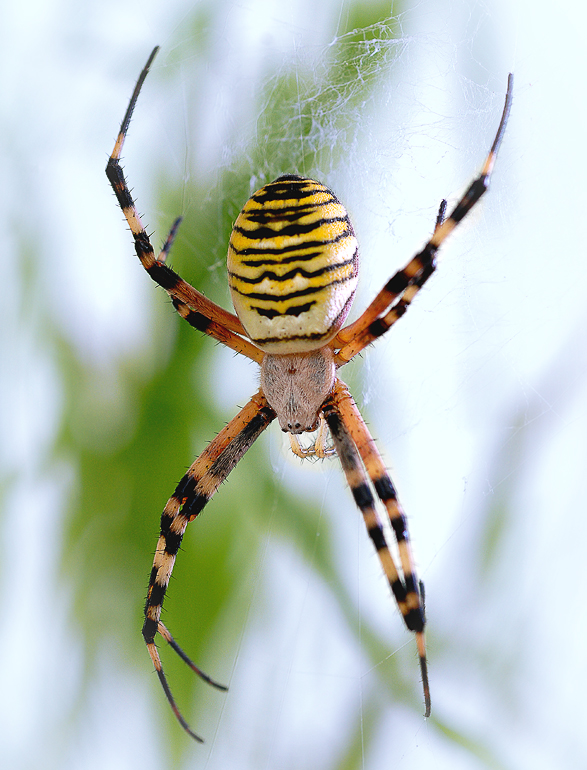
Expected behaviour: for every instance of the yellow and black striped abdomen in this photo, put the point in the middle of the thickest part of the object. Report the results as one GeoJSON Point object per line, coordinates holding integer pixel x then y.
{"type": "Point", "coordinates": [292, 265]}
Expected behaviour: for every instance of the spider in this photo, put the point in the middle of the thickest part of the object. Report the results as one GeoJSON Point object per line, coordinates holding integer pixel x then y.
{"type": "Point", "coordinates": [292, 272]}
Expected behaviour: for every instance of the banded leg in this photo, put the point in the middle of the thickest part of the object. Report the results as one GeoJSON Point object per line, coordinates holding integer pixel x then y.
{"type": "Point", "coordinates": [396, 286]}
{"type": "Point", "coordinates": [222, 325]}
{"type": "Point", "coordinates": [191, 495]}
{"type": "Point", "coordinates": [407, 282]}
{"type": "Point", "coordinates": [381, 325]}
{"type": "Point", "coordinates": [375, 467]}
{"type": "Point", "coordinates": [360, 460]}
{"type": "Point", "coordinates": [200, 321]}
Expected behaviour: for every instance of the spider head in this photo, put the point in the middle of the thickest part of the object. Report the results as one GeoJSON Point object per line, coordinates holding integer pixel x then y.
{"type": "Point", "coordinates": [296, 385]}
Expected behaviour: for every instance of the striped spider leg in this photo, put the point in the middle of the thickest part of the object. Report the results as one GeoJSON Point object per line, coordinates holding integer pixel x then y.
{"type": "Point", "coordinates": [292, 272]}
{"type": "Point", "coordinates": [354, 445]}
{"type": "Point", "coordinates": [382, 313]}
{"type": "Point", "coordinates": [191, 495]}
{"type": "Point", "coordinates": [361, 461]}
{"type": "Point", "coordinates": [200, 312]}
{"type": "Point", "coordinates": [320, 447]}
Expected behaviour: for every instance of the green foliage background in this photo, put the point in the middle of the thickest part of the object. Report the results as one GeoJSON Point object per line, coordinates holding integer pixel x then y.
{"type": "Point", "coordinates": [130, 430]}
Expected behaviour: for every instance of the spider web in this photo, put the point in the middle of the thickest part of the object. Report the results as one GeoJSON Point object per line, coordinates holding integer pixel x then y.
{"type": "Point", "coordinates": [338, 113]}
{"type": "Point", "coordinates": [317, 113]}
{"type": "Point", "coordinates": [76, 302]}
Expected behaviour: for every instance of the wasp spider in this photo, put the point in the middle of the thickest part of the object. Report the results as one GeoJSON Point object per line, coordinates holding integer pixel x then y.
{"type": "Point", "coordinates": [292, 272]}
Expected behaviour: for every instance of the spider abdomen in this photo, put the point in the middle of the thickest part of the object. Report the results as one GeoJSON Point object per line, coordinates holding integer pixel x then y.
{"type": "Point", "coordinates": [292, 265]}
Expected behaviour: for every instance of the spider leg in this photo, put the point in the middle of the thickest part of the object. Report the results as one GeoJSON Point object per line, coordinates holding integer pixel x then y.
{"type": "Point", "coordinates": [406, 283]}
{"type": "Point", "coordinates": [191, 495]}
{"type": "Point", "coordinates": [441, 214]}
{"type": "Point", "coordinates": [361, 461]}
{"type": "Point", "coordinates": [207, 316]}
{"type": "Point", "coordinates": [164, 253]}
{"type": "Point", "coordinates": [202, 322]}
{"type": "Point", "coordinates": [380, 325]}
{"type": "Point", "coordinates": [220, 333]}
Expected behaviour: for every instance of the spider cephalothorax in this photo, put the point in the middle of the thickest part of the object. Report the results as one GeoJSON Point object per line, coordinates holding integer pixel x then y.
{"type": "Point", "coordinates": [292, 271]}
{"type": "Point", "coordinates": [296, 385]}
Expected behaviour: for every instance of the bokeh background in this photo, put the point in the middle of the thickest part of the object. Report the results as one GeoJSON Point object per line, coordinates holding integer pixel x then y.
{"type": "Point", "coordinates": [477, 397]}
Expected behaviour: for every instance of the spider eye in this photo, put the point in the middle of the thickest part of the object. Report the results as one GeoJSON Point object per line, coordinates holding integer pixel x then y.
{"type": "Point", "coordinates": [297, 427]}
